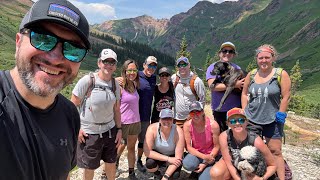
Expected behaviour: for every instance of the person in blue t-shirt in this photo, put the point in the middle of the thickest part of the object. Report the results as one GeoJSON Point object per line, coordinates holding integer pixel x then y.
{"type": "Point", "coordinates": [147, 80]}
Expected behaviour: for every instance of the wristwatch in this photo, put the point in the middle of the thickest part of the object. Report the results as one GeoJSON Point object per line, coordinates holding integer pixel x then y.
{"type": "Point", "coordinates": [119, 128]}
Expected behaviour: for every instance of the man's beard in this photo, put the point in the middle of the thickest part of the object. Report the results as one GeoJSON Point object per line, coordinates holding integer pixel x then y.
{"type": "Point", "coordinates": [45, 88]}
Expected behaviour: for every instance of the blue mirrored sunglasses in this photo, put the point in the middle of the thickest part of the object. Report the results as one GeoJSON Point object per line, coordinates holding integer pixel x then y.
{"type": "Point", "coordinates": [235, 120]}
{"type": "Point", "coordinates": [152, 66]}
{"type": "Point", "coordinates": [46, 41]}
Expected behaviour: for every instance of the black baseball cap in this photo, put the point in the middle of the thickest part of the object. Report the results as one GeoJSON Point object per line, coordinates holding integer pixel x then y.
{"type": "Point", "coordinates": [61, 12]}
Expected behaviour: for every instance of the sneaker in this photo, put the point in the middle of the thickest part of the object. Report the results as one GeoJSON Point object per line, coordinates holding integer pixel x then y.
{"type": "Point", "coordinates": [132, 176]}
{"type": "Point", "coordinates": [140, 166]}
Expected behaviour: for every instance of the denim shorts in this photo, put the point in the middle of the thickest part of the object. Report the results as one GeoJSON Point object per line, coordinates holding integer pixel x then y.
{"type": "Point", "coordinates": [273, 130]}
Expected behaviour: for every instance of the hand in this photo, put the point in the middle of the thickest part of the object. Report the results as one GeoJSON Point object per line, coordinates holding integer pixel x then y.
{"type": "Point", "coordinates": [81, 136]}
{"type": "Point", "coordinates": [200, 168]}
{"type": "Point", "coordinates": [120, 80]}
{"type": "Point", "coordinates": [240, 83]}
{"type": "Point", "coordinates": [118, 138]}
{"type": "Point", "coordinates": [281, 117]}
{"type": "Point", "coordinates": [175, 161]}
{"type": "Point", "coordinates": [254, 177]}
{"type": "Point", "coordinates": [209, 158]}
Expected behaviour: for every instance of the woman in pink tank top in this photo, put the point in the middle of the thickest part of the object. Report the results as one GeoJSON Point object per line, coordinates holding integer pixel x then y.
{"type": "Point", "coordinates": [201, 135]}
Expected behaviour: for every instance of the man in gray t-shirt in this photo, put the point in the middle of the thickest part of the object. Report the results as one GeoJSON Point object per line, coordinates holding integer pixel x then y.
{"type": "Point", "coordinates": [183, 90]}
{"type": "Point", "coordinates": [99, 105]}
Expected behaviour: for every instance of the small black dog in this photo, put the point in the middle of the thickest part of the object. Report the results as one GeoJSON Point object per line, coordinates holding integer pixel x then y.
{"type": "Point", "coordinates": [225, 73]}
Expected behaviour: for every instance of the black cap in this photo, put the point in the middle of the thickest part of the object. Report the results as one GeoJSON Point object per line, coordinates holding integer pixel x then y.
{"type": "Point", "coordinates": [61, 12]}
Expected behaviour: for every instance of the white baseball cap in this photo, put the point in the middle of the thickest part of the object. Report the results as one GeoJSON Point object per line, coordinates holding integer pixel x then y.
{"type": "Point", "coordinates": [108, 53]}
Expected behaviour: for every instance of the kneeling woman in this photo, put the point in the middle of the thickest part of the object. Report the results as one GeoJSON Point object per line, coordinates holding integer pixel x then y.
{"type": "Point", "coordinates": [164, 145]}
{"type": "Point", "coordinates": [201, 134]}
{"type": "Point", "coordinates": [233, 140]}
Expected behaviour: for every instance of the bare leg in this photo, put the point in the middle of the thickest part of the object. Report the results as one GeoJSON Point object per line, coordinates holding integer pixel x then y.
{"type": "Point", "coordinates": [219, 171]}
{"type": "Point", "coordinates": [110, 169]}
{"type": "Point", "coordinates": [275, 146]}
{"type": "Point", "coordinates": [132, 139]}
{"type": "Point", "coordinates": [88, 174]}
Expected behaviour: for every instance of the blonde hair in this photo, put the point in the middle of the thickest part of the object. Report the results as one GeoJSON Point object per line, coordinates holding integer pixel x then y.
{"type": "Point", "coordinates": [267, 48]}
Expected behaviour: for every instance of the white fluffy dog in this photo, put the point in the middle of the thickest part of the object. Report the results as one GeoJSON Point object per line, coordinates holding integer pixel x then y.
{"type": "Point", "coordinates": [251, 162]}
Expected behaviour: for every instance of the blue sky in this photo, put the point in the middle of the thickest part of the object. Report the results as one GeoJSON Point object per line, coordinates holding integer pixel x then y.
{"type": "Point", "coordinates": [98, 11]}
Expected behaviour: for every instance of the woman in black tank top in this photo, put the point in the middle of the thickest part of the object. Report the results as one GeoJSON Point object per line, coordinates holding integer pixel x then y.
{"type": "Point", "coordinates": [231, 141]}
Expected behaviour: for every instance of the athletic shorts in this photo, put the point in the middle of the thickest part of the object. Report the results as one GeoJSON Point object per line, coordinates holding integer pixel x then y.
{"type": "Point", "coordinates": [144, 127]}
{"type": "Point", "coordinates": [96, 148]}
{"type": "Point", "coordinates": [273, 130]}
{"type": "Point", "coordinates": [131, 129]}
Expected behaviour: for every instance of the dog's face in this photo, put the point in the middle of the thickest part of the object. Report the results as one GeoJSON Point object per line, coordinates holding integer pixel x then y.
{"type": "Point", "coordinates": [221, 69]}
{"type": "Point", "coordinates": [251, 161]}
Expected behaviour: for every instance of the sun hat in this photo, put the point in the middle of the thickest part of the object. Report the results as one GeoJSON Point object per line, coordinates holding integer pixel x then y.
{"type": "Point", "coordinates": [108, 53]}
{"type": "Point", "coordinates": [195, 106]}
{"type": "Point", "coordinates": [235, 111]}
{"type": "Point", "coordinates": [166, 113]}
{"type": "Point", "coordinates": [61, 12]}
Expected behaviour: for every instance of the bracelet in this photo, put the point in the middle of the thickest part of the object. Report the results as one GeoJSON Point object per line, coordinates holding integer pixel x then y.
{"type": "Point", "coordinates": [166, 176]}
{"type": "Point", "coordinates": [119, 128]}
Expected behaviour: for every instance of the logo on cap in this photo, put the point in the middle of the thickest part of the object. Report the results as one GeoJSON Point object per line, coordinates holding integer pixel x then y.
{"type": "Point", "coordinates": [56, 10]}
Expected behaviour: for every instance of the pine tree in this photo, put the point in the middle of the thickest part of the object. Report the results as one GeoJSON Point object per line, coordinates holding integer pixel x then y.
{"type": "Point", "coordinates": [183, 49]}
{"type": "Point", "coordinates": [295, 76]}
{"type": "Point", "coordinates": [252, 65]}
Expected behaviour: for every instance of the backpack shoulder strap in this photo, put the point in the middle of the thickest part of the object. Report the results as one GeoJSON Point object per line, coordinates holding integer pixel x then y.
{"type": "Point", "coordinates": [91, 84]}
{"type": "Point", "coordinates": [277, 74]}
{"type": "Point", "coordinates": [192, 81]}
{"type": "Point", "coordinates": [176, 81]}
{"type": "Point", "coordinates": [114, 87]}
{"type": "Point", "coordinates": [229, 134]}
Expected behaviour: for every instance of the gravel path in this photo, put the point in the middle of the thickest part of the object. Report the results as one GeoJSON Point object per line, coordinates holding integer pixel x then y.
{"type": "Point", "coordinates": [304, 163]}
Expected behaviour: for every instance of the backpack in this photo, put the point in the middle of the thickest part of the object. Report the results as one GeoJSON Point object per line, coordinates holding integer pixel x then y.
{"type": "Point", "coordinates": [191, 84]}
{"type": "Point", "coordinates": [276, 75]}
{"type": "Point", "coordinates": [91, 86]}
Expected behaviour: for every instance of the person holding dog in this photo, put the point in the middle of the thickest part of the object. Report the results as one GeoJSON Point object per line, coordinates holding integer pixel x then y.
{"type": "Point", "coordinates": [232, 141]}
{"type": "Point", "coordinates": [226, 53]}
{"type": "Point", "coordinates": [265, 99]}
{"type": "Point", "coordinates": [201, 134]}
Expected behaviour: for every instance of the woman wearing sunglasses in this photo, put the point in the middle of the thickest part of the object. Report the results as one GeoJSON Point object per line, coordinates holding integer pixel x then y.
{"type": "Point", "coordinates": [129, 108]}
{"type": "Point", "coordinates": [201, 135]}
{"type": "Point", "coordinates": [163, 146]}
{"type": "Point", "coordinates": [231, 141]}
{"type": "Point", "coordinates": [163, 95]}
{"type": "Point", "coordinates": [226, 53]}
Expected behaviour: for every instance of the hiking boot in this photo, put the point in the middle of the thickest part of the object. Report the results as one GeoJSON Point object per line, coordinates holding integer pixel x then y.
{"type": "Point", "coordinates": [132, 176]}
{"type": "Point", "coordinates": [140, 166]}
{"type": "Point", "coordinates": [157, 175]}
{"type": "Point", "coordinates": [193, 175]}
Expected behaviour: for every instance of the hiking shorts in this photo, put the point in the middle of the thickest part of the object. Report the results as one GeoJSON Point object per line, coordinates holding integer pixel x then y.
{"type": "Point", "coordinates": [96, 148]}
{"type": "Point", "coordinates": [131, 129]}
{"type": "Point", "coordinates": [273, 130]}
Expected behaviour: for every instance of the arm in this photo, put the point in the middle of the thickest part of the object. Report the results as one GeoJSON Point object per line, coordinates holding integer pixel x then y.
{"type": "Point", "coordinates": [117, 118]}
{"type": "Point", "coordinates": [200, 90]}
{"type": "Point", "coordinates": [218, 86]}
{"type": "Point", "coordinates": [77, 101]}
{"type": "Point", "coordinates": [245, 90]}
{"type": "Point", "coordinates": [176, 161]}
{"type": "Point", "coordinates": [215, 138]}
{"type": "Point", "coordinates": [226, 156]}
{"type": "Point", "coordinates": [285, 91]}
{"type": "Point", "coordinates": [271, 164]}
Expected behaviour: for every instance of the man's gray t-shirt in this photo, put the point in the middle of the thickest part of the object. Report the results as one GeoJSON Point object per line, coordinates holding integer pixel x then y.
{"type": "Point", "coordinates": [184, 96]}
{"type": "Point", "coordinates": [97, 115]}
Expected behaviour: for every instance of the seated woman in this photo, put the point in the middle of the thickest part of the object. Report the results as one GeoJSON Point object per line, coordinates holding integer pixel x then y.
{"type": "Point", "coordinates": [164, 145]}
{"type": "Point", "coordinates": [202, 142]}
{"type": "Point", "coordinates": [232, 140]}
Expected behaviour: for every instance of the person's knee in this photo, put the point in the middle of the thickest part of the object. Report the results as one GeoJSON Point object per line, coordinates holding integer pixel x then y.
{"type": "Point", "coordinates": [190, 162]}
{"type": "Point", "coordinates": [216, 173]}
{"type": "Point", "coordinates": [151, 164]}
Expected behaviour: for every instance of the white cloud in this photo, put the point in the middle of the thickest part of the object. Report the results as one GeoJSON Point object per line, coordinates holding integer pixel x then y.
{"type": "Point", "coordinates": [94, 12]}
{"type": "Point", "coordinates": [219, 1]}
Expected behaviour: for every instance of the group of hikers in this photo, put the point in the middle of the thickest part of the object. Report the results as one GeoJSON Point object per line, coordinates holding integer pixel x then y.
{"type": "Point", "coordinates": [44, 135]}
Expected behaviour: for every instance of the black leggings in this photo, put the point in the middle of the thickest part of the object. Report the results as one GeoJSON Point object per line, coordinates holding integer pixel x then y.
{"type": "Point", "coordinates": [221, 118]}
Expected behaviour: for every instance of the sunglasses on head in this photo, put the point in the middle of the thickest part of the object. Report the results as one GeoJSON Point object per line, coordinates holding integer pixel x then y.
{"type": "Point", "coordinates": [235, 120]}
{"type": "Point", "coordinates": [108, 62]}
{"type": "Point", "coordinates": [225, 51]}
{"type": "Point", "coordinates": [193, 113]}
{"type": "Point", "coordinates": [47, 41]}
{"type": "Point", "coordinates": [182, 65]}
{"type": "Point", "coordinates": [152, 66]}
{"type": "Point", "coordinates": [164, 75]}
{"type": "Point", "coordinates": [131, 71]}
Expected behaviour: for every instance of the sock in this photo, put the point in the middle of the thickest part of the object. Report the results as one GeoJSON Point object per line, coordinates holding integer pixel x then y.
{"type": "Point", "coordinates": [131, 170]}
